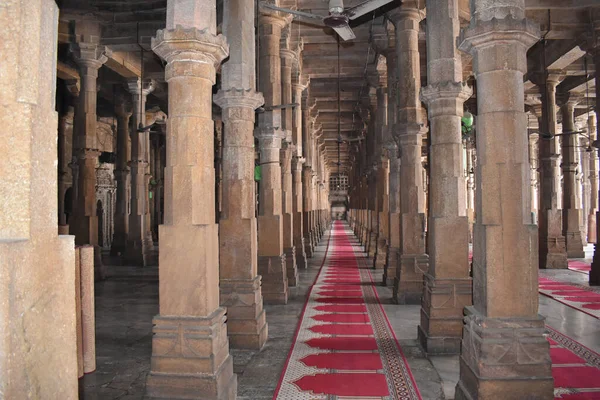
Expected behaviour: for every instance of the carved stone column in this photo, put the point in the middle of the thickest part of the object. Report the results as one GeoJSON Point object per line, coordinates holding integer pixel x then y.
{"type": "Point", "coordinates": [447, 288]}
{"type": "Point", "coordinates": [65, 132]}
{"type": "Point", "coordinates": [307, 176]}
{"type": "Point", "coordinates": [119, 243]}
{"type": "Point", "coordinates": [571, 204]}
{"type": "Point", "coordinates": [583, 184]}
{"type": "Point", "coordinates": [552, 249]}
{"type": "Point", "coordinates": [38, 355]}
{"type": "Point", "coordinates": [470, 189]}
{"type": "Point", "coordinates": [139, 239]}
{"type": "Point", "coordinates": [593, 178]}
{"type": "Point", "coordinates": [595, 272]}
{"type": "Point", "coordinates": [298, 87]}
{"type": "Point", "coordinates": [287, 61]}
{"type": "Point", "coordinates": [533, 166]}
{"type": "Point", "coordinates": [271, 256]}
{"type": "Point", "coordinates": [504, 350]}
{"type": "Point", "coordinates": [239, 283]}
{"type": "Point", "coordinates": [408, 132]}
{"type": "Point", "coordinates": [89, 58]}
{"type": "Point", "coordinates": [190, 348]}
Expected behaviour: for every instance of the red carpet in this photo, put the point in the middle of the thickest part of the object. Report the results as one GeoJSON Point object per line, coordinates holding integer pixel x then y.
{"type": "Point", "coordinates": [579, 297]}
{"type": "Point", "coordinates": [580, 266]}
{"type": "Point", "coordinates": [344, 346]}
{"type": "Point", "coordinates": [575, 368]}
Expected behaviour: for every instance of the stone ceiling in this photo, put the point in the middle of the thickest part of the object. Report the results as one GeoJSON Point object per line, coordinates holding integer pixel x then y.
{"type": "Point", "coordinates": [128, 25]}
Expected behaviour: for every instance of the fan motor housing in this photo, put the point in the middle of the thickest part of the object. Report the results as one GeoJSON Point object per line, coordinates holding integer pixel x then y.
{"type": "Point", "coordinates": [335, 21]}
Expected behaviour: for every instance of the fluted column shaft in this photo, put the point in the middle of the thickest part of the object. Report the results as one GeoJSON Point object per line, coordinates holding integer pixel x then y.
{"type": "Point", "coordinates": [297, 190]}
{"type": "Point", "coordinates": [505, 267]}
{"type": "Point", "coordinates": [447, 288]}
{"type": "Point", "coordinates": [593, 178]}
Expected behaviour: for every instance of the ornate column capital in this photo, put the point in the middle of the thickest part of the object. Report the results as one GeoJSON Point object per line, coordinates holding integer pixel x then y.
{"type": "Point", "coordinates": [190, 51]}
{"type": "Point", "coordinates": [89, 55]}
{"type": "Point", "coordinates": [239, 98]}
{"type": "Point", "coordinates": [135, 86]}
{"type": "Point", "coordinates": [438, 97]}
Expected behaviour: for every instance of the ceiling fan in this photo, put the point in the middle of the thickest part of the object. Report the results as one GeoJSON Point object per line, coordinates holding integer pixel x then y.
{"type": "Point", "coordinates": [339, 16]}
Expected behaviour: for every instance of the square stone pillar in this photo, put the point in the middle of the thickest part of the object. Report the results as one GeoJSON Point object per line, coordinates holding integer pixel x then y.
{"type": "Point", "coordinates": [593, 179]}
{"type": "Point", "coordinates": [38, 344]}
{"type": "Point", "coordinates": [552, 247]}
{"type": "Point", "coordinates": [121, 219]}
{"type": "Point", "coordinates": [271, 256]}
{"type": "Point", "coordinates": [89, 57]}
{"type": "Point", "coordinates": [570, 165]}
{"type": "Point", "coordinates": [139, 238]}
{"type": "Point", "coordinates": [190, 348]}
{"type": "Point", "coordinates": [408, 132]}
{"type": "Point", "coordinates": [505, 354]}
{"type": "Point", "coordinates": [447, 288]}
{"type": "Point", "coordinates": [595, 272]}
{"type": "Point", "coordinates": [306, 206]}
{"type": "Point", "coordinates": [239, 283]}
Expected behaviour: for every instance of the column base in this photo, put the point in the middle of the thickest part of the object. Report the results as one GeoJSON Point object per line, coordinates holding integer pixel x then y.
{"type": "Point", "coordinates": [379, 261]}
{"type": "Point", "coordinates": [408, 283]}
{"type": "Point", "coordinates": [301, 262]}
{"type": "Point", "coordinates": [440, 330]}
{"type": "Point", "coordinates": [63, 229]}
{"type": "Point", "coordinates": [372, 244]}
{"type": "Point", "coordinates": [274, 279]}
{"type": "Point", "coordinates": [119, 245]}
{"type": "Point", "coordinates": [137, 253]}
{"type": "Point", "coordinates": [591, 231]}
{"type": "Point", "coordinates": [308, 247]}
{"type": "Point", "coordinates": [556, 258]}
{"type": "Point", "coordinates": [246, 319]}
{"type": "Point", "coordinates": [290, 266]}
{"type": "Point", "coordinates": [574, 245]}
{"type": "Point", "coordinates": [390, 267]}
{"type": "Point", "coordinates": [190, 359]}
{"type": "Point", "coordinates": [504, 358]}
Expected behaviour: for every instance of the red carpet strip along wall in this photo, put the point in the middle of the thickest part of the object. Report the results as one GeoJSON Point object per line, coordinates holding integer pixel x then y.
{"type": "Point", "coordinates": [345, 347]}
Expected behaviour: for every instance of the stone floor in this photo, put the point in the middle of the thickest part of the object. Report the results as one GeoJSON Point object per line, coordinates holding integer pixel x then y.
{"type": "Point", "coordinates": [128, 299]}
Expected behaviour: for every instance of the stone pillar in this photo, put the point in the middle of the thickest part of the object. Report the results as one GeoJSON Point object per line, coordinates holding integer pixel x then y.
{"type": "Point", "coordinates": [297, 163]}
{"type": "Point", "coordinates": [571, 203]}
{"type": "Point", "coordinates": [298, 87]}
{"type": "Point", "coordinates": [504, 350]}
{"type": "Point", "coordinates": [271, 256]}
{"type": "Point", "coordinates": [408, 131]}
{"type": "Point", "coordinates": [552, 249]}
{"type": "Point", "coordinates": [533, 166]}
{"type": "Point", "coordinates": [287, 61]}
{"type": "Point", "coordinates": [593, 177]}
{"type": "Point", "coordinates": [121, 219]}
{"type": "Point", "coordinates": [38, 344]}
{"type": "Point", "coordinates": [64, 122]}
{"type": "Point", "coordinates": [470, 189]}
{"type": "Point", "coordinates": [190, 348]}
{"type": "Point", "coordinates": [584, 183]}
{"type": "Point", "coordinates": [139, 239]}
{"type": "Point", "coordinates": [239, 282]}
{"type": "Point", "coordinates": [89, 58]}
{"type": "Point", "coordinates": [447, 288]}
{"type": "Point", "coordinates": [595, 272]}
{"type": "Point", "coordinates": [393, 258]}
{"type": "Point", "coordinates": [307, 176]}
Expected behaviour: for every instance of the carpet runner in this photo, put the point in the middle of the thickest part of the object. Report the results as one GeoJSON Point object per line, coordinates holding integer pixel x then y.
{"type": "Point", "coordinates": [579, 297]}
{"type": "Point", "coordinates": [344, 347]}
{"type": "Point", "coordinates": [575, 368]}
{"type": "Point", "coordinates": [580, 266]}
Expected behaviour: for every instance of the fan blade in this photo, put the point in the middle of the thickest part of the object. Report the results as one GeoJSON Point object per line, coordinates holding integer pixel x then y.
{"type": "Point", "coordinates": [345, 32]}
{"type": "Point", "coordinates": [294, 12]}
{"type": "Point", "coordinates": [364, 8]}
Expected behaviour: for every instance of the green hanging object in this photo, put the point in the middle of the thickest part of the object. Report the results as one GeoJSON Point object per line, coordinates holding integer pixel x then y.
{"type": "Point", "coordinates": [150, 195]}
{"type": "Point", "coordinates": [257, 173]}
{"type": "Point", "coordinates": [467, 119]}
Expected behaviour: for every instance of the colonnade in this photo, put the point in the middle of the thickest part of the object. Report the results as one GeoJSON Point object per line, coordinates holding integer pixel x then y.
{"type": "Point", "coordinates": [214, 275]}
